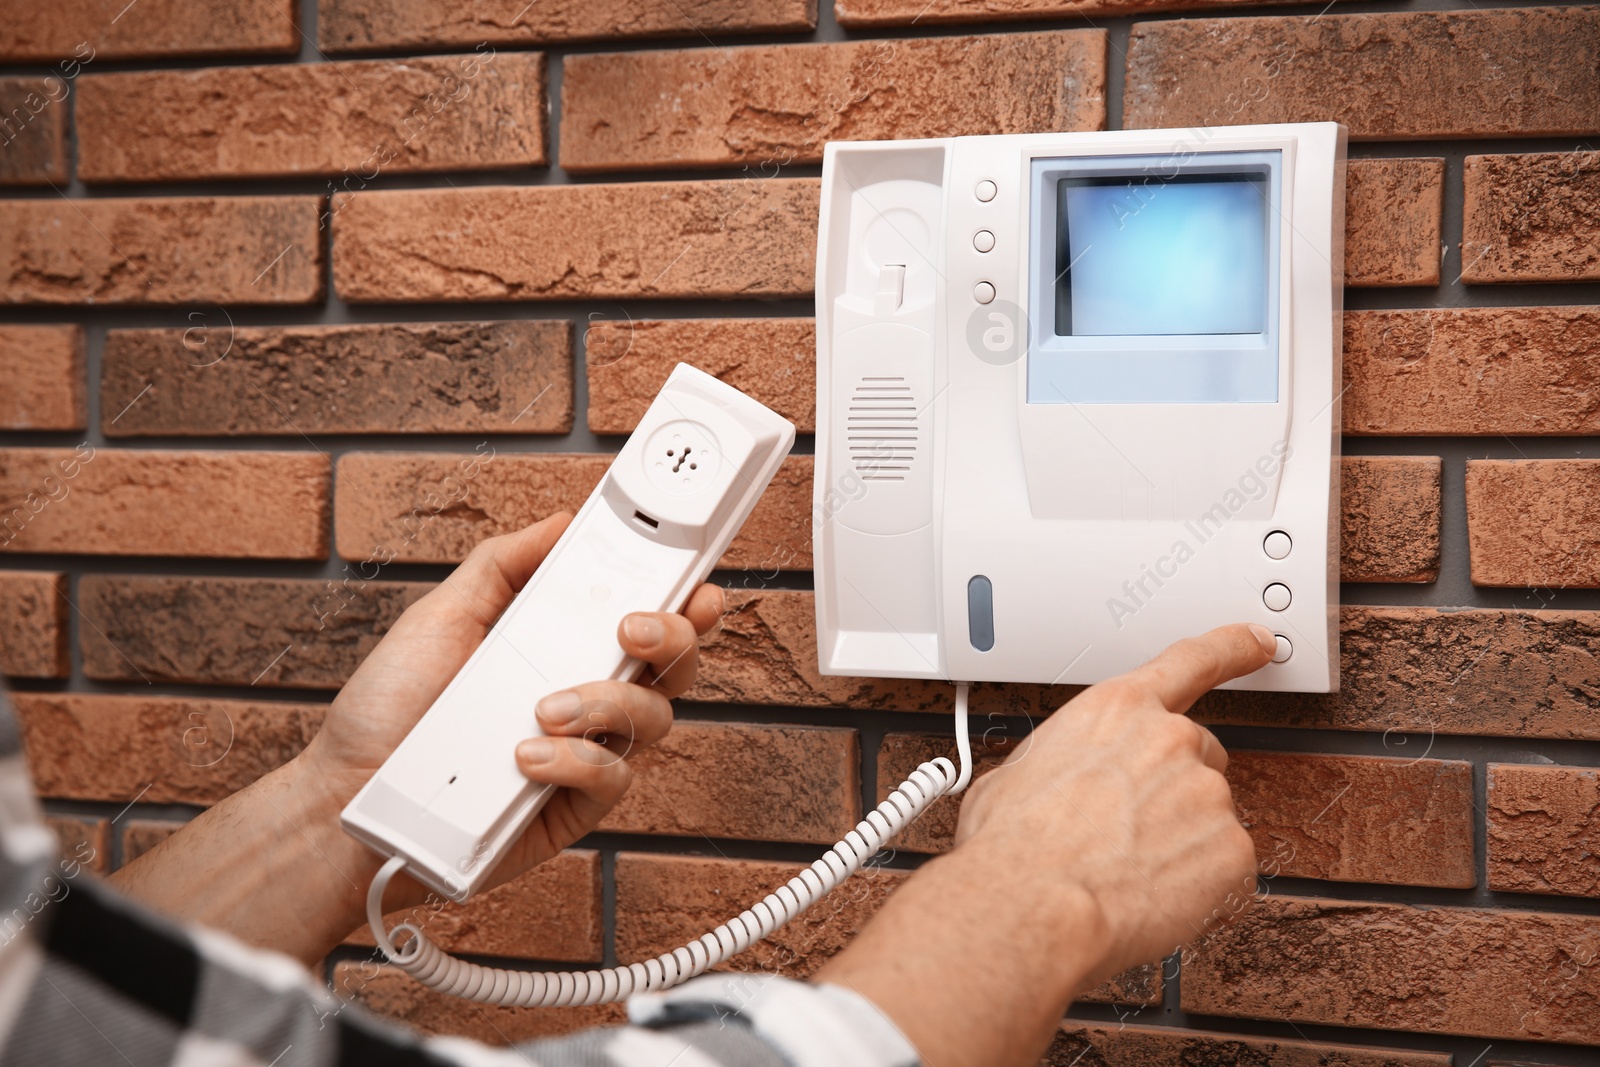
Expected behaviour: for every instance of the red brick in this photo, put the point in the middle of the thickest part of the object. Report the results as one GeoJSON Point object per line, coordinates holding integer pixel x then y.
{"type": "Point", "coordinates": [629, 360]}
{"type": "Point", "coordinates": [42, 383]}
{"type": "Point", "coordinates": [744, 238]}
{"type": "Point", "coordinates": [33, 131]}
{"type": "Point", "coordinates": [1532, 218]}
{"type": "Point", "coordinates": [1392, 218]}
{"type": "Point", "coordinates": [1141, 986]}
{"type": "Point", "coordinates": [900, 754]}
{"type": "Point", "coordinates": [1388, 76]}
{"type": "Point", "coordinates": [1534, 522]}
{"type": "Point", "coordinates": [425, 508]}
{"type": "Point", "coordinates": [779, 104]}
{"type": "Point", "coordinates": [1340, 818]}
{"type": "Point", "coordinates": [380, 25]}
{"type": "Point", "coordinates": [1426, 671]}
{"type": "Point", "coordinates": [301, 632]}
{"type": "Point", "coordinates": [1358, 818]}
{"type": "Point", "coordinates": [389, 992]}
{"type": "Point", "coordinates": [33, 624]}
{"type": "Point", "coordinates": [238, 505]}
{"type": "Point", "coordinates": [355, 120]}
{"type": "Point", "coordinates": [1429, 371]}
{"type": "Point", "coordinates": [1544, 829]}
{"type": "Point", "coordinates": [234, 250]}
{"type": "Point", "coordinates": [1472, 371]}
{"type": "Point", "coordinates": [141, 835]}
{"type": "Point", "coordinates": [1481, 973]}
{"type": "Point", "coordinates": [1389, 518]}
{"type": "Point", "coordinates": [85, 842]}
{"type": "Point", "coordinates": [426, 377]}
{"type": "Point", "coordinates": [1081, 1044]}
{"type": "Point", "coordinates": [162, 750]}
{"type": "Point", "coordinates": [1525, 672]}
{"type": "Point", "coordinates": [733, 780]}
{"type": "Point", "coordinates": [111, 29]}
{"type": "Point", "coordinates": [549, 913]}
{"type": "Point", "coordinates": [861, 14]}
{"type": "Point", "coordinates": [666, 901]}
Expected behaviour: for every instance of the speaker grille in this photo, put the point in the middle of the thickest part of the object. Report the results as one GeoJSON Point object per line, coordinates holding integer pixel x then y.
{"type": "Point", "coordinates": [882, 428]}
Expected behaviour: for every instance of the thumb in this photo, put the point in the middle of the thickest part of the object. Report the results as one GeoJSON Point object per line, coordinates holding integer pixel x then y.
{"type": "Point", "coordinates": [1187, 670]}
{"type": "Point", "coordinates": [494, 572]}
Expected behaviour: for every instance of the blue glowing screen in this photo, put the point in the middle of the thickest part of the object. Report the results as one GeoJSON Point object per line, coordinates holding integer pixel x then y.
{"type": "Point", "coordinates": [1184, 256]}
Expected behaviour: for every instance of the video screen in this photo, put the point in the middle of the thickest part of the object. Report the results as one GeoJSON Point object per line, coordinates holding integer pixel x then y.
{"type": "Point", "coordinates": [1139, 256]}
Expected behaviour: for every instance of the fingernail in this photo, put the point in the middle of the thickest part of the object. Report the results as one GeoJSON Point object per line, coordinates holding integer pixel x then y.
{"type": "Point", "coordinates": [1264, 638]}
{"type": "Point", "coordinates": [643, 630]}
{"type": "Point", "coordinates": [558, 709]}
{"type": "Point", "coordinates": [536, 750]}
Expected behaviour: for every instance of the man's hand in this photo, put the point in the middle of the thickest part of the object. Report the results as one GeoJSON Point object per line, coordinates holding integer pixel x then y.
{"type": "Point", "coordinates": [590, 729]}
{"type": "Point", "coordinates": [1122, 796]}
{"type": "Point", "coordinates": [271, 864]}
{"type": "Point", "coordinates": [1107, 840]}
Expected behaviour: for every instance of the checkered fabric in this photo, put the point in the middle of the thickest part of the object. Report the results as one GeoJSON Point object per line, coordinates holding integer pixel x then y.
{"type": "Point", "coordinates": [90, 977]}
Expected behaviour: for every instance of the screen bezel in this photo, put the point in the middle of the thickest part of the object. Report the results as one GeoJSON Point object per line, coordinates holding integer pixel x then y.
{"type": "Point", "coordinates": [1148, 368]}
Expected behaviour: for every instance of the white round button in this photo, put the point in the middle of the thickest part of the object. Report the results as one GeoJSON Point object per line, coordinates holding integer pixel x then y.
{"type": "Point", "coordinates": [986, 190]}
{"type": "Point", "coordinates": [983, 292]}
{"type": "Point", "coordinates": [1277, 544]}
{"type": "Point", "coordinates": [983, 240]}
{"type": "Point", "coordinates": [1285, 649]}
{"type": "Point", "coordinates": [1276, 596]}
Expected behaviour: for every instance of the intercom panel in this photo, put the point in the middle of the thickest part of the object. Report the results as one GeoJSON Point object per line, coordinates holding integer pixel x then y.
{"type": "Point", "coordinates": [1077, 399]}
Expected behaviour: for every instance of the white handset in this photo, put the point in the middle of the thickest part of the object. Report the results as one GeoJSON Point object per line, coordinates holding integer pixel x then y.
{"type": "Point", "coordinates": [450, 799]}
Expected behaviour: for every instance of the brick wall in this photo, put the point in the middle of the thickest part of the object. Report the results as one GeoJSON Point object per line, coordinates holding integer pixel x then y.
{"type": "Point", "coordinates": [278, 280]}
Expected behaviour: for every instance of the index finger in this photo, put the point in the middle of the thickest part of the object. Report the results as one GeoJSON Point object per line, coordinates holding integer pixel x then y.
{"type": "Point", "coordinates": [1186, 671]}
{"type": "Point", "coordinates": [704, 607]}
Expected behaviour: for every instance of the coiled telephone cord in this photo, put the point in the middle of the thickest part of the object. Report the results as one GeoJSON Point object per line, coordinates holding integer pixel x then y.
{"type": "Point", "coordinates": [438, 970]}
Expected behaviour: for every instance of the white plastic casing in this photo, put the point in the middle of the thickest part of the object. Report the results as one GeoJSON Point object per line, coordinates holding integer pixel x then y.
{"type": "Point", "coordinates": [450, 799]}
{"type": "Point", "coordinates": [1073, 512]}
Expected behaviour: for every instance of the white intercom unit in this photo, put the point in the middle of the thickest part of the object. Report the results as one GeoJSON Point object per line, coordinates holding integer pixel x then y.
{"type": "Point", "coordinates": [1077, 398]}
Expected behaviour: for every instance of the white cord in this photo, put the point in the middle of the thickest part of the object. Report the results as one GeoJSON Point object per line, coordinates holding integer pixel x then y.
{"type": "Point", "coordinates": [435, 968]}
{"type": "Point", "coordinates": [963, 742]}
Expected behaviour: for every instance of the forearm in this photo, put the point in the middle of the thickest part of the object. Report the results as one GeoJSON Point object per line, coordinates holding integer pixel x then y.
{"type": "Point", "coordinates": [968, 973]}
{"type": "Point", "coordinates": [268, 865]}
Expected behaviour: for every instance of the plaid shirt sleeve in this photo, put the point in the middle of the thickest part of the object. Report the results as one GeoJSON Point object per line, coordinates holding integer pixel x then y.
{"type": "Point", "coordinates": [89, 977]}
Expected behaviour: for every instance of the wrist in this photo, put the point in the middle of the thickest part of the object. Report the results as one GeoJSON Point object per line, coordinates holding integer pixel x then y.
{"type": "Point", "coordinates": [1055, 919]}
{"type": "Point", "coordinates": [321, 793]}
{"type": "Point", "coordinates": [977, 956]}
{"type": "Point", "coordinates": [311, 799]}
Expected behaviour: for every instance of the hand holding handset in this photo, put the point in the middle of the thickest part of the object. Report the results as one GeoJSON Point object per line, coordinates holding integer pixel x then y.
{"type": "Point", "coordinates": [450, 800]}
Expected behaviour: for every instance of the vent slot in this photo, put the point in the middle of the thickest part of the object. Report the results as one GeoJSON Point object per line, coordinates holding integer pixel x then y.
{"type": "Point", "coordinates": [883, 425]}
{"type": "Point", "coordinates": [644, 520]}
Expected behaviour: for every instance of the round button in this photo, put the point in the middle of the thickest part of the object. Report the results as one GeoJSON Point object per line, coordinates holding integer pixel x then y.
{"type": "Point", "coordinates": [983, 240]}
{"type": "Point", "coordinates": [986, 190]}
{"type": "Point", "coordinates": [1276, 596]}
{"type": "Point", "coordinates": [1285, 649]}
{"type": "Point", "coordinates": [1277, 544]}
{"type": "Point", "coordinates": [983, 292]}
